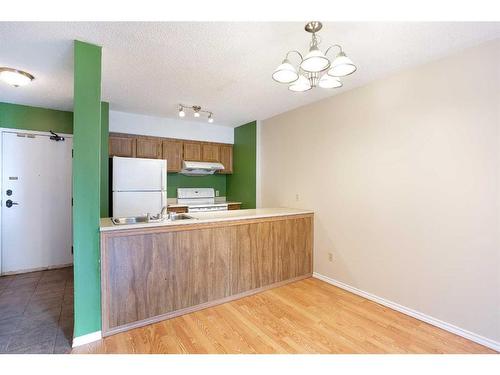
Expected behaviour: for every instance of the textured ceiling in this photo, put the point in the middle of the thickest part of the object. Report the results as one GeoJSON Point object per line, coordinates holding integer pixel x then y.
{"type": "Point", "coordinates": [150, 67]}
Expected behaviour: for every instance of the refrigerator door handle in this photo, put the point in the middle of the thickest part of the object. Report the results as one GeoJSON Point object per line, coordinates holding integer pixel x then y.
{"type": "Point", "coordinates": [163, 177]}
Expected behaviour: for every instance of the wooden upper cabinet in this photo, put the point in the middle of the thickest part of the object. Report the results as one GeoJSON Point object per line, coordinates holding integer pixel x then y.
{"type": "Point", "coordinates": [192, 151]}
{"type": "Point", "coordinates": [210, 152]}
{"type": "Point", "coordinates": [226, 158]}
{"type": "Point", "coordinates": [121, 146]}
{"type": "Point", "coordinates": [172, 151]}
{"type": "Point", "coordinates": [149, 148]}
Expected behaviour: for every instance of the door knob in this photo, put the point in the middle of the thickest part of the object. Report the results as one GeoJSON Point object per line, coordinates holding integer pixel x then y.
{"type": "Point", "coordinates": [9, 203]}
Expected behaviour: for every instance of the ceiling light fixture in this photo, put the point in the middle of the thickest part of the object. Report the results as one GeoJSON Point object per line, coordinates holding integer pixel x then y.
{"type": "Point", "coordinates": [15, 77]}
{"type": "Point", "coordinates": [197, 111]}
{"type": "Point", "coordinates": [315, 69]}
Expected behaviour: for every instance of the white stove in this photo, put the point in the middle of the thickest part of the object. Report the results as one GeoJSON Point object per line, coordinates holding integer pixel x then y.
{"type": "Point", "coordinates": [199, 199]}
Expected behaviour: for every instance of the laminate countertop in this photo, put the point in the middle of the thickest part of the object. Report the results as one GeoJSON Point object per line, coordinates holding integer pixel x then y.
{"type": "Point", "coordinates": [173, 205]}
{"type": "Point", "coordinates": [208, 217]}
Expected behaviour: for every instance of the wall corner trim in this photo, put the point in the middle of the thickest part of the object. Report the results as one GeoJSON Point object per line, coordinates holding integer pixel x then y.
{"type": "Point", "coordinates": [86, 339]}
{"type": "Point", "coordinates": [415, 314]}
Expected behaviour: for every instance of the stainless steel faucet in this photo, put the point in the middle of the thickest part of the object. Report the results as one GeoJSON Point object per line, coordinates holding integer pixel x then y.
{"type": "Point", "coordinates": [164, 213]}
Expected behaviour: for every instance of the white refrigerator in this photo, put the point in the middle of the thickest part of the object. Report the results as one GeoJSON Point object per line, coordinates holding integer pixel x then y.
{"type": "Point", "coordinates": [139, 186]}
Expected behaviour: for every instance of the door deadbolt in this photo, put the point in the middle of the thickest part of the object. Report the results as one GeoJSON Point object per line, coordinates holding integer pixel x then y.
{"type": "Point", "coordinates": [9, 203]}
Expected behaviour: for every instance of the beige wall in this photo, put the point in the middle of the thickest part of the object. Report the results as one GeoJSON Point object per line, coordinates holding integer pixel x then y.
{"type": "Point", "coordinates": [403, 175]}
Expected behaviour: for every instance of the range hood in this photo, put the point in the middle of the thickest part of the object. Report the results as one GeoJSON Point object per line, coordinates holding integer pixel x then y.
{"type": "Point", "coordinates": [200, 168]}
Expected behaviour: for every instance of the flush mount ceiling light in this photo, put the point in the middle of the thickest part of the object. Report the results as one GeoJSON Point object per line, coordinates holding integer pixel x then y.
{"type": "Point", "coordinates": [15, 77]}
{"type": "Point", "coordinates": [197, 111]}
{"type": "Point", "coordinates": [315, 69]}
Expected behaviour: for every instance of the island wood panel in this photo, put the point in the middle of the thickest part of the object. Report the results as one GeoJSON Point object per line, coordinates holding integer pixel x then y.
{"type": "Point", "coordinates": [160, 273]}
{"type": "Point", "coordinates": [150, 275]}
{"type": "Point", "coordinates": [270, 252]}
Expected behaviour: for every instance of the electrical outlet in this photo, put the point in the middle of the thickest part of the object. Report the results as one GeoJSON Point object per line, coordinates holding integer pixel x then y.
{"type": "Point", "coordinates": [216, 193]}
{"type": "Point", "coordinates": [297, 197]}
{"type": "Point", "coordinates": [330, 257]}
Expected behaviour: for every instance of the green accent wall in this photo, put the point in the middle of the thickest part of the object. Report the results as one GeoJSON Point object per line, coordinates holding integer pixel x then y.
{"type": "Point", "coordinates": [104, 159]}
{"type": "Point", "coordinates": [242, 184]}
{"type": "Point", "coordinates": [175, 180]}
{"type": "Point", "coordinates": [16, 116]}
{"type": "Point", "coordinates": [86, 187]}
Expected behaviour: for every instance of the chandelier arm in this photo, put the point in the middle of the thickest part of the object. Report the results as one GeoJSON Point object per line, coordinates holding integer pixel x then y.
{"type": "Point", "coordinates": [332, 46]}
{"type": "Point", "coordinates": [297, 52]}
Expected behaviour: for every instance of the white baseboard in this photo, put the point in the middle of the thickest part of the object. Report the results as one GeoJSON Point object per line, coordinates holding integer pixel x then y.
{"type": "Point", "coordinates": [86, 339]}
{"type": "Point", "coordinates": [415, 314]}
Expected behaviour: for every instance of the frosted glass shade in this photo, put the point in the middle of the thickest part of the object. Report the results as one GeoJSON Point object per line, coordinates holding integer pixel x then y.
{"type": "Point", "coordinates": [315, 61]}
{"type": "Point", "coordinates": [285, 73]}
{"type": "Point", "coordinates": [342, 66]}
{"type": "Point", "coordinates": [301, 84]}
{"type": "Point", "coordinates": [329, 82]}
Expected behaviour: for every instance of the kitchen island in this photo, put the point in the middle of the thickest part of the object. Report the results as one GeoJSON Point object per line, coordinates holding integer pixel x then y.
{"type": "Point", "coordinates": [156, 271]}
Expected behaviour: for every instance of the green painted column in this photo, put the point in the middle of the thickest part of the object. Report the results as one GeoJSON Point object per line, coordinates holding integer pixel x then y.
{"type": "Point", "coordinates": [86, 187]}
{"type": "Point", "coordinates": [104, 159]}
{"type": "Point", "coordinates": [241, 186]}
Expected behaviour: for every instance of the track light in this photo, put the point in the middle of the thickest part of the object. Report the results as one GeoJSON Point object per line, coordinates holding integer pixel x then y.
{"type": "Point", "coordinates": [197, 111]}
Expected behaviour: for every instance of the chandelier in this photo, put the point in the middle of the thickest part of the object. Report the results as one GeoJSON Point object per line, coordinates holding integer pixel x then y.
{"type": "Point", "coordinates": [315, 69]}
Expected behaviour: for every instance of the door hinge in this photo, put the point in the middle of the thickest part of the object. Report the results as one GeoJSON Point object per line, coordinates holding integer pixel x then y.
{"type": "Point", "coordinates": [72, 153]}
{"type": "Point", "coordinates": [71, 250]}
{"type": "Point", "coordinates": [71, 201]}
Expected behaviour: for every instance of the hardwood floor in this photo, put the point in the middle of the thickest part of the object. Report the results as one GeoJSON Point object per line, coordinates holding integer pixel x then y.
{"type": "Point", "coordinates": [309, 316]}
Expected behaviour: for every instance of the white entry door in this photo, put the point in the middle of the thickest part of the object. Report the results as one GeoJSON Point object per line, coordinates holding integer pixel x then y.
{"type": "Point", "coordinates": [36, 202]}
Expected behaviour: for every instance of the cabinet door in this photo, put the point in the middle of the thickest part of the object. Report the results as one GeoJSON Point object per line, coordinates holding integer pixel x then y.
{"type": "Point", "coordinates": [121, 146]}
{"type": "Point", "coordinates": [149, 148]}
{"type": "Point", "coordinates": [192, 151]}
{"type": "Point", "coordinates": [210, 152]}
{"type": "Point", "coordinates": [226, 158]}
{"type": "Point", "coordinates": [172, 151]}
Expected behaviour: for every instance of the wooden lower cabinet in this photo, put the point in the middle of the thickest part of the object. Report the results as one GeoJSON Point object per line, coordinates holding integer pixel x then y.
{"type": "Point", "coordinates": [234, 206]}
{"type": "Point", "coordinates": [152, 275]}
{"type": "Point", "coordinates": [178, 210]}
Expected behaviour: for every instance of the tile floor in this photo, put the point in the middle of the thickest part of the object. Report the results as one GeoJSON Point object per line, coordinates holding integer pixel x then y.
{"type": "Point", "coordinates": [36, 312]}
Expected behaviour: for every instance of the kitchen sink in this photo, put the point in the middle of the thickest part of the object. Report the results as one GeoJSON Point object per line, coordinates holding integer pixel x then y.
{"type": "Point", "coordinates": [129, 220]}
{"type": "Point", "coordinates": [148, 219]}
{"type": "Point", "coordinates": [176, 217]}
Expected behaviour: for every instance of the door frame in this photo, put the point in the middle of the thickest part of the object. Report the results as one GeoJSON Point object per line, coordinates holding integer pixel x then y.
{"type": "Point", "coordinates": [13, 130]}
